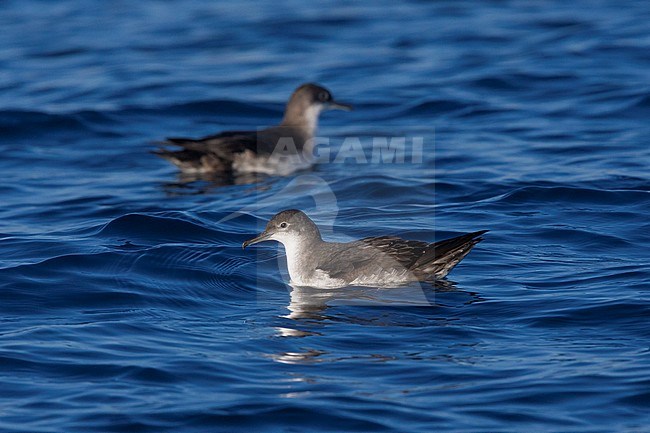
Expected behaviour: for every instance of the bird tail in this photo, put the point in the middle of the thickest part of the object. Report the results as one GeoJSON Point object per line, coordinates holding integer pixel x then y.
{"type": "Point", "coordinates": [442, 256]}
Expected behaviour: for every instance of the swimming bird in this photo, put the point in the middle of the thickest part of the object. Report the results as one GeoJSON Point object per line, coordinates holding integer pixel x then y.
{"type": "Point", "coordinates": [373, 261]}
{"type": "Point", "coordinates": [277, 150]}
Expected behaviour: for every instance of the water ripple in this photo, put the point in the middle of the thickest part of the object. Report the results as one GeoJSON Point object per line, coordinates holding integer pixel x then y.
{"type": "Point", "coordinates": [127, 303]}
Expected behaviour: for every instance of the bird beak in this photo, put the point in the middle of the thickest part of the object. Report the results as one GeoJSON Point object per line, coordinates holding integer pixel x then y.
{"type": "Point", "coordinates": [265, 236]}
{"type": "Point", "coordinates": [334, 105]}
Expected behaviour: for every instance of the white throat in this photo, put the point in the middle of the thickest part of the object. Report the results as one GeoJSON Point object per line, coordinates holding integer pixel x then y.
{"type": "Point", "coordinates": [310, 116]}
{"type": "Point", "coordinates": [297, 251]}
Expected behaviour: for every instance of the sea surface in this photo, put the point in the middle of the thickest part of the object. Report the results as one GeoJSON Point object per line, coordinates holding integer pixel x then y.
{"type": "Point", "coordinates": [128, 305]}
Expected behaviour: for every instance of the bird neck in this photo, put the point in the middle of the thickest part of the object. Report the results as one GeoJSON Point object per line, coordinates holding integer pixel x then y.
{"type": "Point", "coordinates": [300, 259]}
{"type": "Point", "coordinates": [303, 118]}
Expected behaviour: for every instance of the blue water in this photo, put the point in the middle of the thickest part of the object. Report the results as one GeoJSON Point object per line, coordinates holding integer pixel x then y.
{"type": "Point", "coordinates": [127, 304]}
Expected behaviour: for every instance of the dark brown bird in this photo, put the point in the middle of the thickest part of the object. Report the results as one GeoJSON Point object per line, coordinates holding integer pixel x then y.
{"type": "Point", "coordinates": [277, 150]}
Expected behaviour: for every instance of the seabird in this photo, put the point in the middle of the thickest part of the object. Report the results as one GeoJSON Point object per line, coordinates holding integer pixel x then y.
{"type": "Point", "coordinates": [277, 150]}
{"type": "Point", "coordinates": [373, 261]}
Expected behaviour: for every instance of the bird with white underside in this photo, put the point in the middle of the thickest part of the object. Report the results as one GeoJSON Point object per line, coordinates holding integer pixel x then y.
{"type": "Point", "coordinates": [373, 261]}
{"type": "Point", "coordinates": [277, 150]}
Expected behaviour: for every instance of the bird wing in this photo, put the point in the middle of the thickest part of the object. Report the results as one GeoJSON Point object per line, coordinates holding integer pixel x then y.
{"type": "Point", "coordinates": [372, 255]}
{"type": "Point", "coordinates": [224, 145]}
{"type": "Point", "coordinates": [442, 249]}
{"type": "Point", "coordinates": [344, 263]}
{"type": "Point", "coordinates": [442, 256]}
{"type": "Point", "coordinates": [375, 255]}
{"type": "Point", "coordinates": [404, 252]}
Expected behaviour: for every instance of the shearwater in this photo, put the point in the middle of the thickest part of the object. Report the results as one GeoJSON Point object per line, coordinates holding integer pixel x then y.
{"type": "Point", "coordinates": [373, 261]}
{"type": "Point", "coordinates": [277, 150]}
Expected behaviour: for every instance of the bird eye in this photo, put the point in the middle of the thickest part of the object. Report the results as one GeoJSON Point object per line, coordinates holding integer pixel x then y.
{"type": "Point", "coordinates": [283, 225]}
{"type": "Point", "coordinates": [323, 96]}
